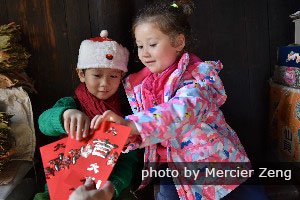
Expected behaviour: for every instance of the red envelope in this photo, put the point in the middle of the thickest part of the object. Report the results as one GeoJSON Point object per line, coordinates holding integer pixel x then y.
{"type": "Point", "coordinates": [93, 157]}
{"type": "Point", "coordinates": [54, 165]}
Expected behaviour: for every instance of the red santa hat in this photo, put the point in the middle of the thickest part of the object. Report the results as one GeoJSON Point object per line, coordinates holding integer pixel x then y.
{"type": "Point", "coordinates": [102, 52]}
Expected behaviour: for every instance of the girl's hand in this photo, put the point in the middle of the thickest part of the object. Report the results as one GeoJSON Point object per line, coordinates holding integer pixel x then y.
{"type": "Point", "coordinates": [107, 116]}
{"type": "Point", "coordinates": [87, 192]}
{"type": "Point", "coordinates": [96, 122]}
{"type": "Point", "coordinates": [113, 117]}
{"type": "Point", "coordinates": [76, 123]}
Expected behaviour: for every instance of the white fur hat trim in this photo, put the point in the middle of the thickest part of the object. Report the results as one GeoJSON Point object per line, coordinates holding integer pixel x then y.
{"type": "Point", "coordinates": [102, 53]}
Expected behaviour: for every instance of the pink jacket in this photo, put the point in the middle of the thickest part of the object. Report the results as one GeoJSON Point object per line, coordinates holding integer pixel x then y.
{"type": "Point", "coordinates": [189, 122]}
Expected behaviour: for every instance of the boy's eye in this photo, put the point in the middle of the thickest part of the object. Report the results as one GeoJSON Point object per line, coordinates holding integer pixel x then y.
{"type": "Point", "coordinates": [153, 45]}
{"type": "Point", "coordinates": [114, 76]}
{"type": "Point", "coordinates": [96, 75]}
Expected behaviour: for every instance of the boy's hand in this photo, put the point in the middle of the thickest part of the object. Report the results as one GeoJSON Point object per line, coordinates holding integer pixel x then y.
{"type": "Point", "coordinates": [76, 123]}
{"type": "Point", "coordinates": [113, 117]}
{"type": "Point", "coordinates": [85, 192]}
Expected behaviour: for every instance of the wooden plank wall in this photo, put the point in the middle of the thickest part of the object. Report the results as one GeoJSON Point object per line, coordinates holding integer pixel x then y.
{"type": "Point", "coordinates": [244, 35]}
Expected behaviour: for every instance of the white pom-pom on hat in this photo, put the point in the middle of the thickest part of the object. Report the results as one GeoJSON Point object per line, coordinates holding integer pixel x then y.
{"type": "Point", "coordinates": [102, 52]}
{"type": "Point", "coordinates": [104, 33]}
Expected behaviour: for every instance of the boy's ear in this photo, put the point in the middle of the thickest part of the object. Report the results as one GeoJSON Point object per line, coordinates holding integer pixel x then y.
{"type": "Point", "coordinates": [180, 42]}
{"type": "Point", "coordinates": [80, 74]}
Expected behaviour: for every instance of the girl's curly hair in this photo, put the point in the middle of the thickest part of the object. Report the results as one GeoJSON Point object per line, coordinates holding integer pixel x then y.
{"type": "Point", "coordinates": [171, 17]}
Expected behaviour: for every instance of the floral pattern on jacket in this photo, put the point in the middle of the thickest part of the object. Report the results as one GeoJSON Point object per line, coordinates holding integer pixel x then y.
{"type": "Point", "coordinates": [189, 121]}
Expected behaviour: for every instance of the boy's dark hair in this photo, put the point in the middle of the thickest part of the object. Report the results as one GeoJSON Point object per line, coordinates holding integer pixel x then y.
{"type": "Point", "coordinates": [171, 17]}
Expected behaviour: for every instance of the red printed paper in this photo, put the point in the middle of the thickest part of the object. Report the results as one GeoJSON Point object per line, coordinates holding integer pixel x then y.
{"type": "Point", "coordinates": [93, 157]}
{"type": "Point", "coordinates": [54, 164]}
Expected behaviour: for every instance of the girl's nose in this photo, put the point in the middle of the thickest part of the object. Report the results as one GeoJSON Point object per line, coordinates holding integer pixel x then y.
{"type": "Point", "coordinates": [145, 52]}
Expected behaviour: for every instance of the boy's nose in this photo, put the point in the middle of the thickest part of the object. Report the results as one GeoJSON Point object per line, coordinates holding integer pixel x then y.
{"type": "Point", "coordinates": [104, 81]}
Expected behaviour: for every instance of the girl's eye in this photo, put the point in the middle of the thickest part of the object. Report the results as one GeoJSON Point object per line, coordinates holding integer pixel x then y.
{"type": "Point", "coordinates": [139, 47]}
{"type": "Point", "coordinates": [113, 76]}
{"type": "Point", "coordinates": [96, 75]}
{"type": "Point", "coordinates": [153, 45]}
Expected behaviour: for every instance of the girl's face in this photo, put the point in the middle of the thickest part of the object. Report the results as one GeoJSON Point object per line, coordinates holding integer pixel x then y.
{"type": "Point", "coordinates": [101, 82]}
{"type": "Point", "coordinates": [156, 50]}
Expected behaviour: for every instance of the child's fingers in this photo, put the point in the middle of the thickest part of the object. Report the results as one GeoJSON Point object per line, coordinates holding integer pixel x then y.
{"type": "Point", "coordinates": [112, 117]}
{"type": "Point", "coordinates": [89, 184]}
{"type": "Point", "coordinates": [79, 130]}
{"type": "Point", "coordinates": [78, 135]}
{"type": "Point", "coordinates": [79, 193]}
{"type": "Point", "coordinates": [86, 128]}
{"type": "Point", "coordinates": [94, 121]}
{"type": "Point", "coordinates": [67, 125]}
{"type": "Point", "coordinates": [107, 115]}
{"type": "Point", "coordinates": [97, 123]}
{"type": "Point", "coordinates": [73, 127]}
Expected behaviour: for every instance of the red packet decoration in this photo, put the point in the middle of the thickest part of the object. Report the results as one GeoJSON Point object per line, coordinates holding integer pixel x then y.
{"type": "Point", "coordinates": [93, 157]}
{"type": "Point", "coordinates": [54, 162]}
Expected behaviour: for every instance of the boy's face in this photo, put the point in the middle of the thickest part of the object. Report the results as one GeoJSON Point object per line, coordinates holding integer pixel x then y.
{"type": "Point", "coordinates": [101, 82]}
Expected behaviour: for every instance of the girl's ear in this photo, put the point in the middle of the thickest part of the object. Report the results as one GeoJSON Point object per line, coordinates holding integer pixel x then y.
{"type": "Point", "coordinates": [180, 42]}
{"type": "Point", "coordinates": [80, 74]}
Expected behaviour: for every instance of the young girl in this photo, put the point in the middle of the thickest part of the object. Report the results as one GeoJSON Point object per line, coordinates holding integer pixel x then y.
{"type": "Point", "coordinates": [102, 63]}
{"type": "Point", "coordinates": [176, 100]}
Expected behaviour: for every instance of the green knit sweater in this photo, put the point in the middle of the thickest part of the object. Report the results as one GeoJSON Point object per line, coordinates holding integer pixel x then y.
{"type": "Point", "coordinates": [50, 123]}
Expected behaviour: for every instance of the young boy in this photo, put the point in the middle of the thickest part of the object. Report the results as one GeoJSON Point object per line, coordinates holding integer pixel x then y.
{"type": "Point", "coordinates": [101, 65]}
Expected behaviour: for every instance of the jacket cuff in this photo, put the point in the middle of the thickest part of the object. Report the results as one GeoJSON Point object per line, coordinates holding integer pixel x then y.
{"type": "Point", "coordinates": [58, 124]}
{"type": "Point", "coordinates": [54, 121]}
{"type": "Point", "coordinates": [138, 126]}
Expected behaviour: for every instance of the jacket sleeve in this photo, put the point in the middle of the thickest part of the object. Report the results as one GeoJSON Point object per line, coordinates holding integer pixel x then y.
{"type": "Point", "coordinates": [50, 121]}
{"type": "Point", "coordinates": [123, 171]}
{"type": "Point", "coordinates": [188, 107]}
